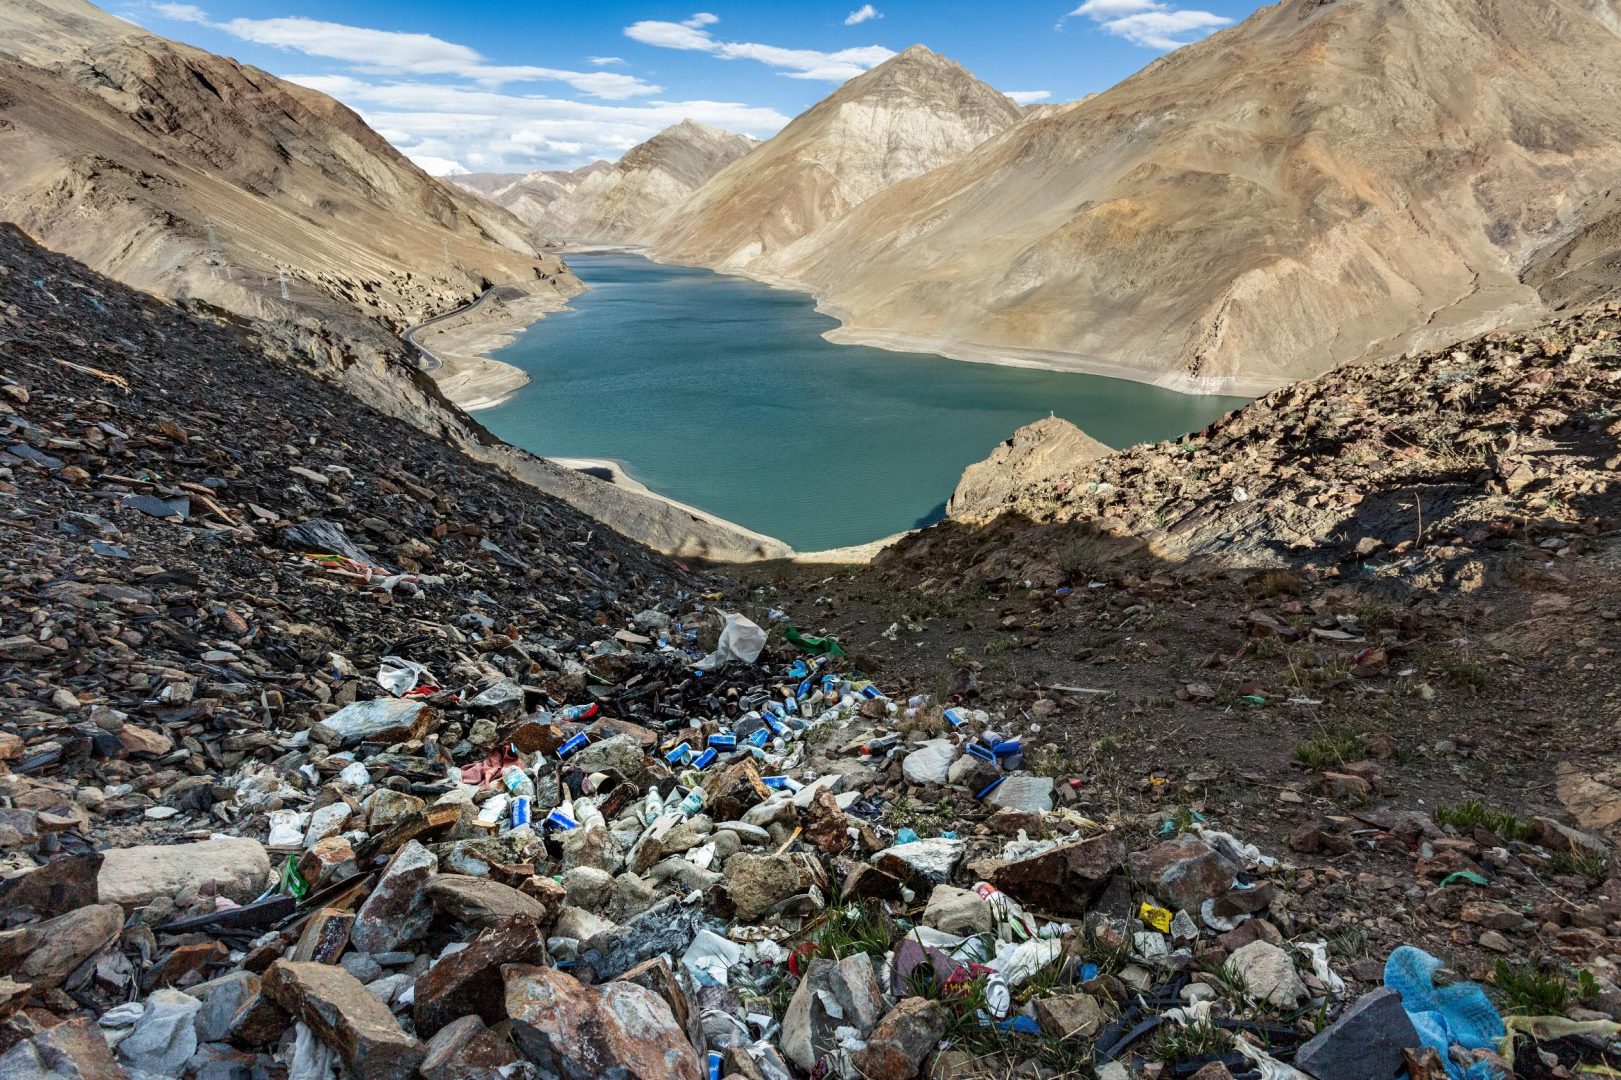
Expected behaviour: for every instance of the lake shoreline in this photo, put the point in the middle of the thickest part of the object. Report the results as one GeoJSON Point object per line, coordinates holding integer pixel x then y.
{"type": "Point", "coordinates": [722, 392]}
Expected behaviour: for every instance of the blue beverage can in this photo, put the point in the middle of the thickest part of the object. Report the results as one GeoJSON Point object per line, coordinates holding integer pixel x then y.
{"type": "Point", "coordinates": [871, 693]}
{"type": "Point", "coordinates": [714, 1064]}
{"type": "Point", "coordinates": [956, 717]}
{"type": "Point", "coordinates": [760, 737]}
{"type": "Point", "coordinates": [705, 759]}
{"type": "Point", "coordinates": [520, 811]}
{"type": "Point", "coordinates": [559, 820]}
{"type": "Point", "coordinates": [575, 743]}
{"type": "Point", "coordinates": [679, 755]}
{"type": "Point", "coordinates": [723, 742]}
{"type": "Point", "coordinates": [776, 726]}
{"type": "Point", "coordinates": [790, 705]}
{"type": "Point", "coordinates": [775, 783]}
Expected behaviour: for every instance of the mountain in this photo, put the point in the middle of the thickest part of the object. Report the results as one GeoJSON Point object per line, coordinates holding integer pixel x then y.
{"type": "Point", "coordinates": [620, 203]}
{"type": "Point", "coordinates": [485, 183]}
{"type": "Point", "coordinates": [191, 176]}
{"type": "Point", "coordinates": [195, 177]}
{"type": "Point", "coordinates": [912, 113]}
{"type": "Point", "coordinates": [1328, 180]}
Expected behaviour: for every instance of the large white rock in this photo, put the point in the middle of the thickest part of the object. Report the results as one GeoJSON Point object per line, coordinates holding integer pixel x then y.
{"type": "Point", "coordinates": [238, 866]}
{"type": "Point", "coordinates": [930, 763]}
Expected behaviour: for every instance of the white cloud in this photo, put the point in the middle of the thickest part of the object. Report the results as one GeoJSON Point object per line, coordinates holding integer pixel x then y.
{"type": "Point", "coordinates": [181, 12]}
{"type": "Point", "coordinates": [702, 18]}
{"type": "Point", "coordinates": [1028, 97]}
{"type": "Point", "coordinates": [604, 61]}
{"type": "Point", "coordinates": [438, 166]}
{"type": "Point", "coordinates": [689, 36]}
{"type": "Point", "coordinates": [1153, 24]}
{"type": "Point", "coordinates": [488, 131]}
{"type": "Point", "coordinates": [862, 14]}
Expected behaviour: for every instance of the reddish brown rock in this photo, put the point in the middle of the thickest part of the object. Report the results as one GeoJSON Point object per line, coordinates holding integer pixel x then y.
{"type": "Point", "coordinates": [469, 982]}
{"type": "Point", "coordinates": [347, 1017]}
{"type": "Point", "coordinates": [397, 910]}
{"type": "Point", "coordinates": [1064, 880]}
{"type": "Point", "coordinates": [580, 1032]}
{"type": "Point", "coordinates": [73, 1050]}
{"type": "Point", "coordinates": [1183, 872]}
{"type": "Point", "coordinates": [466, 1050]}
{"type": "Point", "coordinates": [903, 1038]}
{"type": "Point", "coordinates": [481, 902]}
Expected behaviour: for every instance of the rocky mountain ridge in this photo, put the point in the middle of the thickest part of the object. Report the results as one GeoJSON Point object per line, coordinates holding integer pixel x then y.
{"type": "Point", "coordinates": [910, 114]}
{"type": "Point", "coordinates": [625, 202]}
{"type": "Point", "coordinates": [1324, 181]}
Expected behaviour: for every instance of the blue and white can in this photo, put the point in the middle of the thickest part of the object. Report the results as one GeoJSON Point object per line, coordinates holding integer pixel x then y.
{"type": "Point", "coordinates": [705, 759]}
{"type": "Point", "coordinates": [678, 756]}
{"type": "Point", "coordinates": [520, 811]}
{"type": "Point", "coordinates": [575, 743]}
{"type": "Point", "coordinates": [725, 741]}
{"type": "Point", "coordinates": [561, 821]}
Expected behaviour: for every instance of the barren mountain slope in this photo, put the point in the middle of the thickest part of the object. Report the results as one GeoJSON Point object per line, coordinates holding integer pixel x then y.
{"type": "Point", "coordinates": [192, 176]}
{"type": "Point", "coordinates": [910, 114]}
{"type": "Point", "coordinates": [1310, 186]}
{"type": "Point", "coordinates": [622, 202]}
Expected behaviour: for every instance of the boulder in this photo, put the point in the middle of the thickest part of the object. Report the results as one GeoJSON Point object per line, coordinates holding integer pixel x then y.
{"type": "Point", "coordinates": [72, 1050]}
{"type": "Point", "coordinates": [465, 1049]}
{"type": "Point", "coordinates": [619, 1031]}
{"type": "Point", "coordinates": [347, 1017]}
{"type": "Point", "coordinates": [398, 909]}
{"type": "Point", "coordinates": [469, 981]}
{"type": "Point", "coordinates": [903, 1038]}
{"type": "Point", "coordinates": [165, 1036]}
{"type": "Point", "coordinates": [1070, 1016]}
{"type": "Point", "coordinates": [382, 720]}
{"type": "Point", "coordinates": [1269, 975]}
{"type": "Point", "coordinates": [1063, 880]}
{"type": "Point", "coordinates": [45, 954]}
{"type": "Point", "coordinates": [1367, 1042]}
{"type": "Point", "coordinates": [480, 902]}
{"type": "Point", "coordinates": [922, 862]}
{"type": "Point", "coordinates": [833, 994]}
{"type": "Point", "coordinates": [757, 883]}
{"type": "Point", "coordinates": [237, 867]}
{"type": "Point", "coordinates": [1184, 871]}
{"type": "Point", "coordinates": [929, 762]}
{"type": "Point", "coordinates": [958, 911]}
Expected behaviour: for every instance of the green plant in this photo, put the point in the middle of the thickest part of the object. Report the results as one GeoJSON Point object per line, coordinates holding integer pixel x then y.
{"type": "Point", "coordinates": [1472, 812]}
{"type": "Point", "coordinates": [847, 929]}
{"type": "Point", "coordinates": [1231, 981]}
{"type": "Point", "coordinates": [1527, 991]}
{"type": "Point", "coordinates": [1581, 862]}
{"type": "Point", "coordinates": [1587, 987]}
{"type": "Point", "coordinates": [1330, 748]}
{"type": "Point", "coordinates": [1173, 1042]}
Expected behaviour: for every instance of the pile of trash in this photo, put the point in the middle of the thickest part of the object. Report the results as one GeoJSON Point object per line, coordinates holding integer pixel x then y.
{"type": "Point", "coordinates": [712, 890]}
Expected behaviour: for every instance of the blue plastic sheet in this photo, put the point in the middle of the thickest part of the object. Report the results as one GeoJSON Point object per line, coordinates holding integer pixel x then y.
{"type": "Point", "coordinates": [1458, 1015]}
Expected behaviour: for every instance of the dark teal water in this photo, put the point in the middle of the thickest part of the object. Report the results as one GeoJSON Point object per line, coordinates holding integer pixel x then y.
{"type": "Point", "coordinates": [721, 392]}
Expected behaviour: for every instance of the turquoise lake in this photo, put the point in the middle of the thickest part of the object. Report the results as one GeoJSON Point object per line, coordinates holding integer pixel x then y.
{"type": "Point", "coordinates": [721, 392]}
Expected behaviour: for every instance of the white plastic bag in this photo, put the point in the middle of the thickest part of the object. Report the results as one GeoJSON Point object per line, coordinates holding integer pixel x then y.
{"type": "Point", "coordinates": [740, 639]}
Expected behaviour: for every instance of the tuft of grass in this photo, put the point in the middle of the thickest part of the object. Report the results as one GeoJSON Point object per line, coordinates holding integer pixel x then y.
{"type": "Point", "coordinates": [1231, 982]}
{"type": "Point", "coordinates": [1173, 1042]}
{"type": "Point", "coordinates": [1472, 812]}
{"type": "Point", "coordinates": [1331, 748]}
{"type": "Point", "coordinates": [1581, 862]}
{"type": "Point", "coordinates": [847, 929]}
{"type": "Point", "coordinates": [1349, 944]}
{"type": "Point", "coordinates": [1528, 992]}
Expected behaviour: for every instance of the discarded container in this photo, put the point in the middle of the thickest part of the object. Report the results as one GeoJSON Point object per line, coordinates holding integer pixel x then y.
{"type": "Point", "coordinates": [575, 713]}
{"type": "Point", "coordinates": [575, 743]}
{"type": "Point", "coordinates": [561, 821]}
{"type": "Point", "coordinates": [679, 754]}
{"type": "Point", "coordinates": [998, 998]}
{"type": "Point", "coordinates": [955, 717]}
{"type": "Point", "coordinates": [880, 746]}
{"type": "Point", "coordinates": [705, 759]}
{"type": "Point", "coordinates": [722, 742]}
{"type": "Point", "coordinates": [694, 802]}
{"type": "Point", "coordinates": [816, 646]}
{"type": "Point", "coordinates": [520, 811]}
{"type": "Point", "coordinates": [759, 737]}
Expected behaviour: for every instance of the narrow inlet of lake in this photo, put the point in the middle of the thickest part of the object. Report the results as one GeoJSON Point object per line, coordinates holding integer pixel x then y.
{"type": "Point", "coordinates": [721, 392]}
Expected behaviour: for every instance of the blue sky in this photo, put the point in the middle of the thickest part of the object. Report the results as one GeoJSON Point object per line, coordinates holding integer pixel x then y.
{"type": "Point", "coordinates": [555, 85]}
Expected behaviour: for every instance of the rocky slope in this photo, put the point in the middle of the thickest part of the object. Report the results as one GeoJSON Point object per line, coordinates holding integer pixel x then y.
{"type": "Point", "coordinates": [485, 184]}
{"type": "Point", "coordinates": [280, 677]}
{"type": "Point", "coordinates": [191, 176]}
{"type": "Point", "coordinates": [624, 202]}
{"type": "Point", "coordinates": [1423, 459]}
{"type": "Point", "coordinates": [1036, 456]}
{"type": "Point", "coordinates": [910, 114]}
{"type": "Point", "coordinates": [1324, 181]}
{"type": "Point", "coordinates": [528, 195]}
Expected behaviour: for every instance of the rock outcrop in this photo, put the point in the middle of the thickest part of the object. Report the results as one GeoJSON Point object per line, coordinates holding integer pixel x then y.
{"type": "Point", "coordinates": [912, 113]}
{"type": "Point", "coordinates": [1037, 454]}
{"type": "Point", "coordinates": [1325, 181]}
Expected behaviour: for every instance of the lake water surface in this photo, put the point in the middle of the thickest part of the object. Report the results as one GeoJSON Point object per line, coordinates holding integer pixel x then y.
{"type": "Point", "coordinates": [721, 392]}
